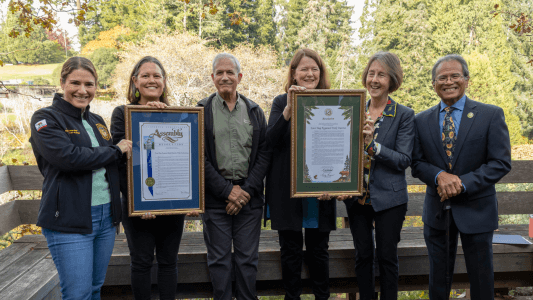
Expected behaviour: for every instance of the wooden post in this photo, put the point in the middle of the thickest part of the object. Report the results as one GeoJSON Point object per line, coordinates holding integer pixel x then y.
{"type": "Point", "coordinates": [345, 223]}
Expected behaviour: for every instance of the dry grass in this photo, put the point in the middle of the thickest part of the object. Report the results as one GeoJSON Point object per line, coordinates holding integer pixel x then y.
{"type": "Point", "coordinates": [27, 72]}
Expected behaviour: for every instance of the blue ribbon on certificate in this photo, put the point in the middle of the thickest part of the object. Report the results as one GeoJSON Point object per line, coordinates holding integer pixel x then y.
{"type": "Point", "coordinates": [149, 169]}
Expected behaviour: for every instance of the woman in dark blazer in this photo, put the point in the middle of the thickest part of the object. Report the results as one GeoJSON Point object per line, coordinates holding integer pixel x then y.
{"type": "Point", "coordinates": [289, 215]}
{"type": "Point", "coordinates": [388, 140]}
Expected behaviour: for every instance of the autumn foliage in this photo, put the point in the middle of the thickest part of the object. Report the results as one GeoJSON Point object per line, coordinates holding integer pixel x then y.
{"type": "Point", "coordinates": [106, 39]}
{"type": "Point", "coordinates": [60, 38]}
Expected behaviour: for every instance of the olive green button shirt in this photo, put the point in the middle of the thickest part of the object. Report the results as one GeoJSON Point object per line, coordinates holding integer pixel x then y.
{"type": "Point", "coordinates": [233, 138]}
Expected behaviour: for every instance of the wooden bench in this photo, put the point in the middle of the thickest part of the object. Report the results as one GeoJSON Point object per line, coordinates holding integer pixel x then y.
{"type": "Point", "coordinates": [27, 270]}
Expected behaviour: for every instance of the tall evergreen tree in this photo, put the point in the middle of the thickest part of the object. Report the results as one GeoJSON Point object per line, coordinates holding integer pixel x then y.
{"type": "Point", "coordinates": [420, 31]}
{"type": "Point", "coordinates": [266, 27]}
{"type": "Point", "coordinates": [294, 20]}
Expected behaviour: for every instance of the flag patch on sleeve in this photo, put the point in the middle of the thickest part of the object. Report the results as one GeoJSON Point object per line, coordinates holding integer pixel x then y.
{"type": "Point", "coordinates": [41, 124]}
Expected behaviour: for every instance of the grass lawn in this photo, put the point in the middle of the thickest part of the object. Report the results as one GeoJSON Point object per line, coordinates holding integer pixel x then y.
{"type": "Point", "coordinates": [27, 72]}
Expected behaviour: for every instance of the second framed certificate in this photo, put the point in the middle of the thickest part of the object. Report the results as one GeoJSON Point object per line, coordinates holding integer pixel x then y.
{"type": "Point", "coordinates": [165, 173]}
{"type": "Point", "coordinates": [327, 142]}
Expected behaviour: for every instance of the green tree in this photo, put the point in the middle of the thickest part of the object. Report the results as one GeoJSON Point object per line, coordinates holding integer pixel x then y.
{"type": "Point", "coordinates": [140, 16]}
{"type": "Point", "coordinates": [420, 31]}
{"type": "Point", "coordinates": [322, 25]}
{"type": "Point", "coordinates": [294, 11]}
{"type": "Point", "coordinates": [105, 60]}
{"type": "Point", "coordinates": [35, 48]}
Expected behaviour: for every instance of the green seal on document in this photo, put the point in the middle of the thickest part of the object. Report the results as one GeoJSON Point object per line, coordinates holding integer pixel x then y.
{"type": "Point", "coordinates": [150, 181]}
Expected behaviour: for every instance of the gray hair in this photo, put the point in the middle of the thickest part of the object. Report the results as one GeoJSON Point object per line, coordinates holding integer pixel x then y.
{"type": "Point", "coordinates": [231, 57]}
{"type": "Point", "coordinates": [449, 57]}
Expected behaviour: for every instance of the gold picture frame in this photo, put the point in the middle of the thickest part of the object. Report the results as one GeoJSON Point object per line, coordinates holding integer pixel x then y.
{"type": "Point", "coordinates": [169, 181]}
{"type": "Point", "coordinates": [321, 120]}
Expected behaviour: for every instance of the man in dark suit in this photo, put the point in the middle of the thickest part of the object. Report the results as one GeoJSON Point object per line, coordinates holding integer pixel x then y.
{"type": "Point", "coordinates": [461, 150]}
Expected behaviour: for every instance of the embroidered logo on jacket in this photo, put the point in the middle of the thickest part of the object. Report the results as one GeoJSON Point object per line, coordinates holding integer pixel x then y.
{"type": "Point", "coordinates": [72, 131]}
{"type": "Point", "coordinates": [41, 124]}
{"type": "Point", "coordinates": [103, 131]}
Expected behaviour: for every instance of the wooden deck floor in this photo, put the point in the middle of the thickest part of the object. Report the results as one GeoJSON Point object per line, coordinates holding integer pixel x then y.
{"type": "Point", "coordinates": [28, 272]}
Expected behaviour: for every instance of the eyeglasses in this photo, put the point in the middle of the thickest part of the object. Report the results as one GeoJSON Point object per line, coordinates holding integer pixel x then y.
{"type": "Point", "coordinates": [453, 78]}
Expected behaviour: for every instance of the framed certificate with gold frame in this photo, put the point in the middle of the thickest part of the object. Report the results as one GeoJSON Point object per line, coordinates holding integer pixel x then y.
{"type": "Point", "coordinates": [166, 170]}
{"type": "Point", "coordinates": [327, 142]}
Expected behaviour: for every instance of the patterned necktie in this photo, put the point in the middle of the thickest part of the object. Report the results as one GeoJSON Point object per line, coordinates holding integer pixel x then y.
{"type": "Point", "coordinates": [448, 135]}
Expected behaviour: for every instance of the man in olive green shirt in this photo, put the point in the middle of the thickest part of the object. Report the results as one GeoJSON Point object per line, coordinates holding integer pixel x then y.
{"type": "Point", "coordinates": [237, 159]}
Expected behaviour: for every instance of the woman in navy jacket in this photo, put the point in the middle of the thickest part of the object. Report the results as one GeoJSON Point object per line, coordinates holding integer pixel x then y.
{"type": "Point", "coordinates": [388, 138]}
{"type": "Point", "coordinates": [80, 206]}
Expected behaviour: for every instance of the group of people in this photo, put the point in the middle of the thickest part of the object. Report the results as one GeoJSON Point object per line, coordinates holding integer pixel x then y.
{"type": "Point", "coordinates": [459, 148]}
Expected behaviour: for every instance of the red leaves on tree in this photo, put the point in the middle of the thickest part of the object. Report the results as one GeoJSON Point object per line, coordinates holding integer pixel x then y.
{"type": "Point", "coordinates": [59, 37]}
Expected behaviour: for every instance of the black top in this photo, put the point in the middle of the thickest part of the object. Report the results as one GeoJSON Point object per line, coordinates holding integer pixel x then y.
{"type": "Point", "coordinates": [66, 158]}
{"type": "Point", "coordinates": [217, 188]}
{"type": "Point", "coordinates": [118, 131]}
{"type": "Point", "coordinates": [285, 212]}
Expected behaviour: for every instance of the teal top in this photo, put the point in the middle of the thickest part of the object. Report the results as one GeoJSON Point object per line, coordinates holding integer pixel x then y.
{"type": "Point", "coordinates": [100, 194]}
{"type": "Point", "coordinates": [310, 212]}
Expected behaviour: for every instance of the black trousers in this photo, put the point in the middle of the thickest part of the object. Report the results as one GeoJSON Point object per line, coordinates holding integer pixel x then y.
{"type": "Point", "coordinates": [242, 231]}
{"type": "Point", "coordinates": [388, 226]}
{"type": "Point", "coordinates": [162, 234]}
{"type": "Point", "coordinates": [316, 257]}
{"type": "Point", "coordinates": [477, 249]}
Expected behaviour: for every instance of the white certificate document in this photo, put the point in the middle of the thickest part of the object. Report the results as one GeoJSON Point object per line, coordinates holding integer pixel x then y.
{"type": "Point", "coordinates": [328, 144]}
{"type": "Point", "coordinates": [165, 161]}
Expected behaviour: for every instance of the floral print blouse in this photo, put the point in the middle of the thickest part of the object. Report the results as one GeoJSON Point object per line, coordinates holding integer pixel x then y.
{"type": "Point", "coordinates": [375, 147]}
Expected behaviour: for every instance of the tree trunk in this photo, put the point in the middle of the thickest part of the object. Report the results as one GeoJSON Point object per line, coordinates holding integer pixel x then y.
{"type": "Point", "coordinates": [200, 11]}
{"type": "Point", "coordinates": [184, 16]}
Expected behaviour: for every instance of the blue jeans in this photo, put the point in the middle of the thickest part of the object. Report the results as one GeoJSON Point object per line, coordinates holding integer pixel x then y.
{"type": "Point", "coordinates": [81, 259]}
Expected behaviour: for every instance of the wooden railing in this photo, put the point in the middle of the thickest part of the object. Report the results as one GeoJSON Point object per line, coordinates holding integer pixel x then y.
{"type": "Point", "coordinates": [23, 262]}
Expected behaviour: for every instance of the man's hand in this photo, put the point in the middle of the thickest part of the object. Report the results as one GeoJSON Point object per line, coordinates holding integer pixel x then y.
{"type": "Point", "coordinates": [238, 196]}
{"type": "Point", "coordinates": [232, 208]}
{"type": "Point", "coordinates": [449, 185]}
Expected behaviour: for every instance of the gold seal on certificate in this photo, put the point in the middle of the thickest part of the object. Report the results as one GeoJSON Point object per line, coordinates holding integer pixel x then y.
{"type": "Point", "coordinates": [150, 181]}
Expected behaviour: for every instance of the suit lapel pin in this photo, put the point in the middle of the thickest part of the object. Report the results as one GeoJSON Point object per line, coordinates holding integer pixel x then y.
{"type": "Point", "coordinates": [470, 115]}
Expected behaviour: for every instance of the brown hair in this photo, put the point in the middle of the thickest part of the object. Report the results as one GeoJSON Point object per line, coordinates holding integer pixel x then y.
{"type": "Point", "coordinates": [135, 72]}
{"type": "Point", "coordinates": [323, 83]}
{"type": "Point", "coordinates": [391, 63]}
{"type": "Point", "coordinates": [76, 63]}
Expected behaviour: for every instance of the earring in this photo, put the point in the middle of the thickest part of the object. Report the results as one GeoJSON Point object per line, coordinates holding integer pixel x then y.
{"type": "Point", "coordinates": [163, 95]}
{"type": "Point", "coordinates": [137, 93]}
